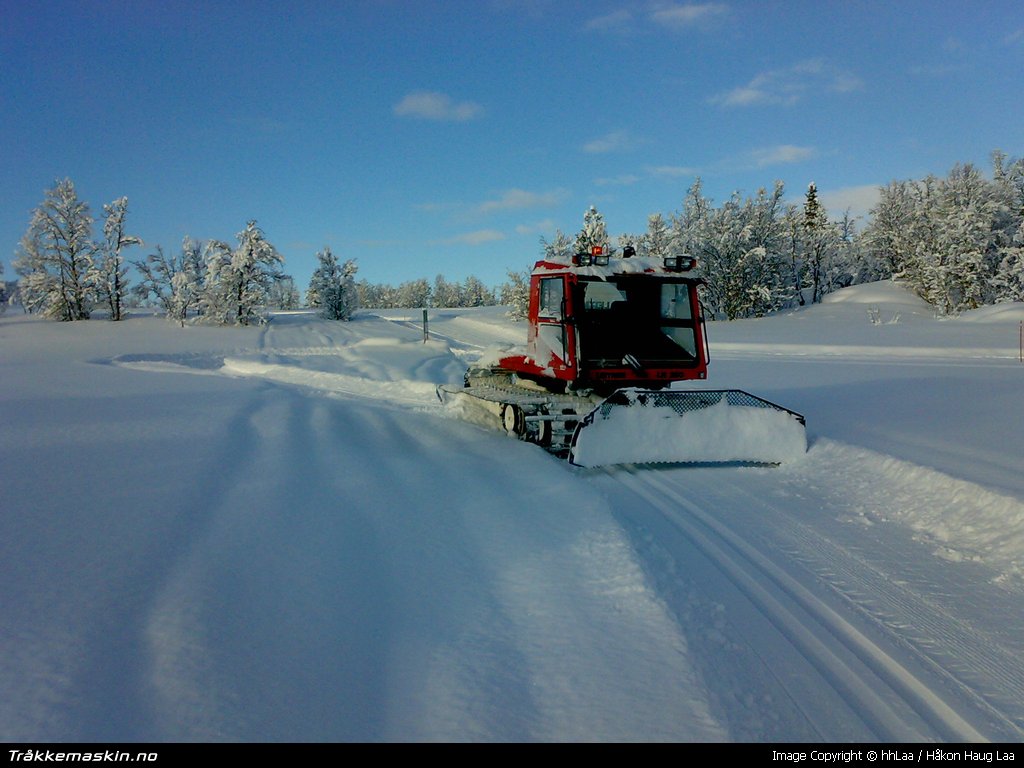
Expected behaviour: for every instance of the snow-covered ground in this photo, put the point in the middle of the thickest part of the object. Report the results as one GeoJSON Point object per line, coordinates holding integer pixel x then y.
{"type": "Point", "coordinates": [278, 534]}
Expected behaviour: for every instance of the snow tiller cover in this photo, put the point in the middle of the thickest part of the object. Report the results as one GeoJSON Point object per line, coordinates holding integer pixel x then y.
{"type": "Point", "coordinates": [635, 426]}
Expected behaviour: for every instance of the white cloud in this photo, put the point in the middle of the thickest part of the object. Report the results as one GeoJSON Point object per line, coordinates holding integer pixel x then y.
{"type": "Point", "coordinates": [953, 45]}
{"type": "Point", "coordinates": [517, 199]}
{"type": "Point", "coordinates": [673, 171]}
{"type": "Point", "coordinates": [859, 200]}
{"type": "Point", "coordinates": [544, 227]}
{"type": "Point", "coordinates": [616, 141]}
{"type": "Point", "coordinates": [933, 70]}
{"type": "Point", "coordinates": [624, 180]}
{"type": "Point", "coordinates": [789, 85]}
{"type": "Point", "coordinates": [689, 14]}
{"type": "Point", "coordinates": [476, 237]}
{"type": "Point", "coordinates": [844, 82]}
{"type": "Point", "coordinates": [431, 105]}
{"type": "Point", "coordinates": [782, 154]}
{"type": "Point", "coordinates": [617, 20]}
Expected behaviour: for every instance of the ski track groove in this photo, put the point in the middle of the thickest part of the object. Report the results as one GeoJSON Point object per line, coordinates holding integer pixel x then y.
{"type": "Point", "coordinates": [896, 611]}
{"type": "Point", "coordinates": [893, 606]}
{"type": "Point", "coordinates": [749, 569]}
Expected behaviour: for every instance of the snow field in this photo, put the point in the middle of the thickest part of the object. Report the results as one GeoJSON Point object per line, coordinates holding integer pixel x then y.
{"type": "Point", "coordinates": [278, 533]}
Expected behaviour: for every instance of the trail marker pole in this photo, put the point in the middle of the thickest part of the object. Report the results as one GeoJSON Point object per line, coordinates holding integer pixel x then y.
{"type": "Point", "coordinates": [425, 332]}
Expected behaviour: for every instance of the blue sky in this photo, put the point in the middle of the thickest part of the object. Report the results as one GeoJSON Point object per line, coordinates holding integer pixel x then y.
{"type": "Point", "coordinates": [427, 137]}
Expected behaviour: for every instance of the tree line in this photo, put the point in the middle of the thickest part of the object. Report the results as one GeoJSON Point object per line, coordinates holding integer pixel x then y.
{"type": "Point", "coordinates": [65, 274]}
{"type": "Point", "coordinates": [957, 241]}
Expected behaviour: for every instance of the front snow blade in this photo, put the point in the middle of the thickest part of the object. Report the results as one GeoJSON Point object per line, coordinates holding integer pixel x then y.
{"type": "Point", "coordinates": [636, 426]}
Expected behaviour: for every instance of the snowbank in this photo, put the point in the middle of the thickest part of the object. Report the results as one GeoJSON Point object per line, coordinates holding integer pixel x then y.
{"type": "Point", "coordinates": [1008, 312]}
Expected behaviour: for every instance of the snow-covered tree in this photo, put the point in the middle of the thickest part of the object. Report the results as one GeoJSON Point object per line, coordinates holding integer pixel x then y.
{"type": "Point", "coordinates": [333, 287]}
{"type": "Point", "coordinates": [217, 300]}
{"type": "Point", "coordinates": [475, 293]}
{"type": "Point", "coordinates": [1008, 281]}
{"type": "Point", "coordinates": [951, 239]}
{"type": "Point", "coordinates": [968, 239]}
{"type": "Point", "coordinates": [445, 293]}
{"type": "Point", "coordinates": [1008, 177]}
{"type": "Point", "coordinates": [377, 296]}
{"type": "Point", "coordinates": [820, 246]}
{"type": "Point", "coordinates": [109, 273]}
{"type": "Point", "coordinates": [413, 294]}
{"type": "Point", "coordinates": [3, 290]}
{"type": "Point", "coordinates": [794, 250]}
{"type": "Point", "coordinates": [283, 294]}
{"type": "Point", "coordinates": [56, 255]}
{"type": "Point", "coordinates": [740, 251]}
{"type": "Point", "coordinates": [658, 241]}
{"type": "Point", "coordinates": [175, 282]}
{"type": "Point", "coordinates": [888, 238]}
{"type": "Point", "coordinates": [849, 263]}
{"type": "Point", "coordinates": [559, 249]}
{"type": "Point", "coordinates": [237, 283]}
{"type": "Point", "coordinates": [515, 294]}
{"type": "Point", "coordinates": [594, 233]}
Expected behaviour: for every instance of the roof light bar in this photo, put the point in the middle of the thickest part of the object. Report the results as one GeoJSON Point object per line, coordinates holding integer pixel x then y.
{"type": "Point", "coordinates": [679, 263]}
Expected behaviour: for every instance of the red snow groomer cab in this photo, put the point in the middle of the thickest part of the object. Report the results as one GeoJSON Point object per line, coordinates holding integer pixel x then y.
{"type": "Point", "coordinates": [608, 339]}
{"type": "Point", "coordinates": [600, 324]}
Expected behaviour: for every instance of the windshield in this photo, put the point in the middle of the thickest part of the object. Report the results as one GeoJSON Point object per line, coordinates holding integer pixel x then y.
{"type": "Point", "coordinates": [650, 319]}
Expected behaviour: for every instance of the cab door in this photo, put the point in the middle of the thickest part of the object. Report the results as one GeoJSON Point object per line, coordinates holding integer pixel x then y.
{"type": "Point", "coordinates": [555, 335]}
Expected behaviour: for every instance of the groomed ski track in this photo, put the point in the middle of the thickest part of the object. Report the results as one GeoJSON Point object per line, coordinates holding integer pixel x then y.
{"type": "Point", "coordinates": [882, 661]}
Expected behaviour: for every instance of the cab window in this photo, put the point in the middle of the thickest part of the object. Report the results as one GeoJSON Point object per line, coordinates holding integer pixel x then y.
{"type": "Point", "coordinates": [675, 301]}
{"type": "Point", "coordinates": [551, 294]}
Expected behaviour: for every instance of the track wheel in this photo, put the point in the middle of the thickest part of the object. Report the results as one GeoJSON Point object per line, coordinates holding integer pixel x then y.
{"type": "Point", "coordinates": [543, 436]}
{"type": "Point", "coordinates": [513, 420]}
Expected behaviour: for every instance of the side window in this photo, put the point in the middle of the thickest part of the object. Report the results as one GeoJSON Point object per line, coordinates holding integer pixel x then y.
{"type": "Point", "coordinates": [675, 301]}
{"type": "Point", "coordinates": [551, 293]}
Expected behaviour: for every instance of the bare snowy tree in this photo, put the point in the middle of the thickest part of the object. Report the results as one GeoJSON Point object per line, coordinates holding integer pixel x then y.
{"type": "Point", "coordinates": [177, 283]}
{"type": "Point", "coordinates": [56, 255]}
{"type": "Point", "coordinates": [109, 273]}
{"type": "Point", "coordinates": [237, 282]}
{"type": "Point", "coordinates": [283, 294]}
{"type": "Point", "coordinates": [560, 248]}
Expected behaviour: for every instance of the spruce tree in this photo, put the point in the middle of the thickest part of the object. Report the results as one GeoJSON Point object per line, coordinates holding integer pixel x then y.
{"type": "Point", "coordinates": [594, 233]}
